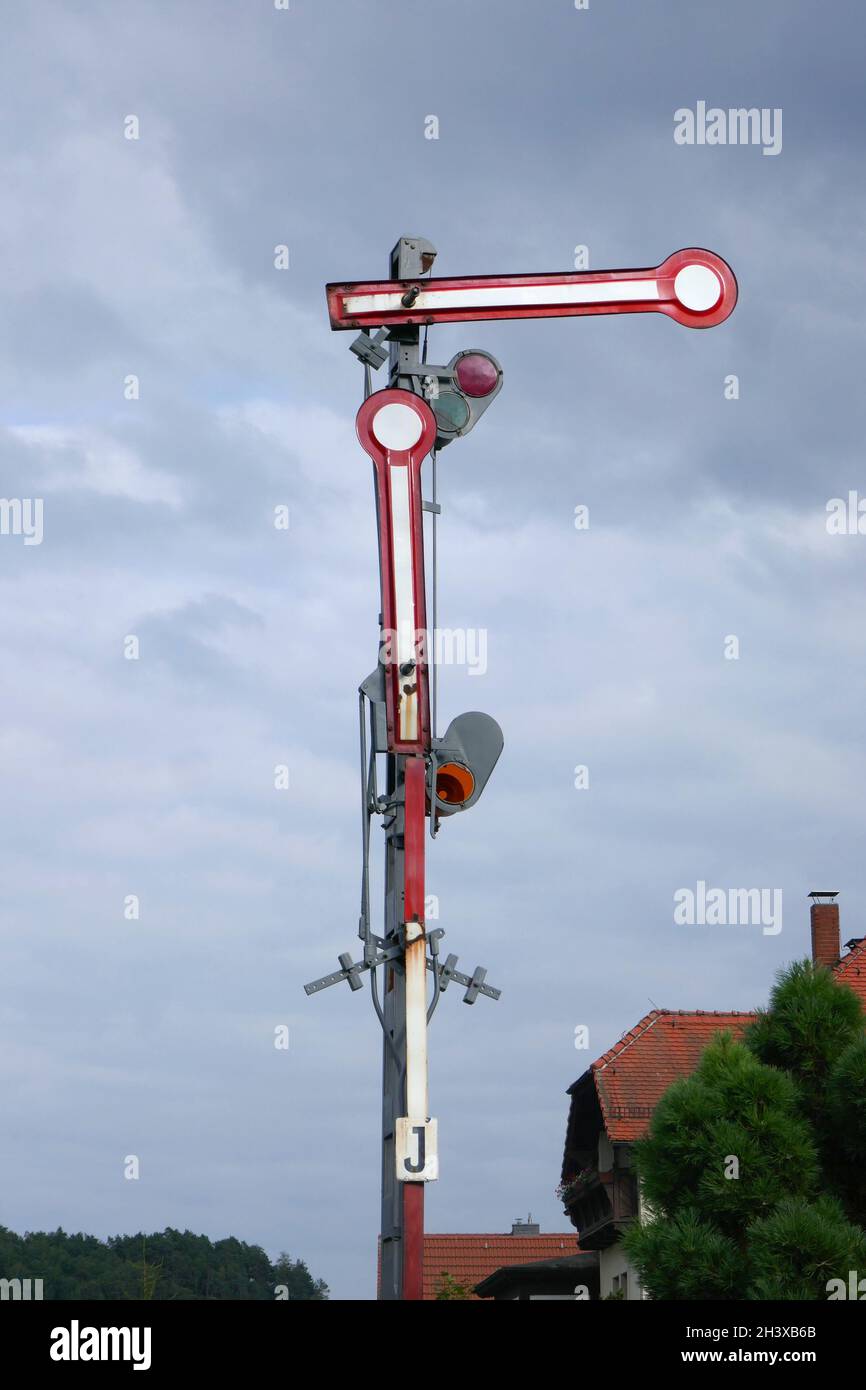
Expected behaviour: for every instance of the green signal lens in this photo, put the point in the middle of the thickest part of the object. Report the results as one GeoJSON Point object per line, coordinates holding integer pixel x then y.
{"type": "Point", "coordinates": [451, 411]}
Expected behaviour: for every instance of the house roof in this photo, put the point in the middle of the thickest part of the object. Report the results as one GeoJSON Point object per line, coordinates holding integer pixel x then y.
{"type": "Point", "coordinates": [851, 970]}
{"type": "Point", "coordinates": [470, 1259]}
{"type": "Point", "coordinates": [559, 1274]}
{"type": "Point", "coordinates": [632, 1077]}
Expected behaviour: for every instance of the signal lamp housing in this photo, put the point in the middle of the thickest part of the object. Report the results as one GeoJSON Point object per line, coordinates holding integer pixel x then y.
{"type": "Point", "coordinates": [460, 392]}
{"type": "Point", "coordinates": [463, 760]}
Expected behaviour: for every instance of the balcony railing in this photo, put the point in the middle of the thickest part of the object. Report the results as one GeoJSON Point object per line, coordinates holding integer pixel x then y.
{"type": "Point", "coordinates": [600, 1207]}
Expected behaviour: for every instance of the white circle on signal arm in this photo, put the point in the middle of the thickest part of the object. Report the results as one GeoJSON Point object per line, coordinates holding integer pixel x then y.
{"type": "Point", "coordinates": [697, 287]}
{"type": "Point", "coordinates": [397, 426]}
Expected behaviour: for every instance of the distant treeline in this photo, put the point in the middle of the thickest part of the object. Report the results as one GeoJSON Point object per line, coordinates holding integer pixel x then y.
{"type": "Point", "coordinates": [168, 1264]}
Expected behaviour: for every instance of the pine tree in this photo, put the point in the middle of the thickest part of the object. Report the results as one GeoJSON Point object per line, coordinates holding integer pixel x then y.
{"type": "Point", "coordinates": [752, 1170]}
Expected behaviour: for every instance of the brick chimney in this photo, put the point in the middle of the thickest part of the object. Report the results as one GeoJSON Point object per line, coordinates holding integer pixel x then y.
{"type": "Point", "coordinates": [826, 936]}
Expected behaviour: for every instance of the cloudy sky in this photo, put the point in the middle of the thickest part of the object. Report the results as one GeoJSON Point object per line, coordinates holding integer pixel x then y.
{"type": "Point", "coordinates": [154, 257]}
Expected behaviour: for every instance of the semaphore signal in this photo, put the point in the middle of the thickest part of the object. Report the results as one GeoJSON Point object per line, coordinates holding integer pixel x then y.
{"type": "Point", "coordinates": [428, 778]}
{"type": "Point", "coordinates": [695, 287]}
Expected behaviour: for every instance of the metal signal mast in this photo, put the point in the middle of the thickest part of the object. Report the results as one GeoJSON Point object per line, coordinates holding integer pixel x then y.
{"type": "Point", "coordinates": [427, 778]}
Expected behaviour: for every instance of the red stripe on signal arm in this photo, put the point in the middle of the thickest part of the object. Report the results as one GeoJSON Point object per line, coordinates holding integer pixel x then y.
{"type": "Point", "coordinates": [415, 809]}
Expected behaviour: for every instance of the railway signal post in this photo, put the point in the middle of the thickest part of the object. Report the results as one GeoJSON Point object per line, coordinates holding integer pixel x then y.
{"type": "Point", "coordinates": [426, 777]}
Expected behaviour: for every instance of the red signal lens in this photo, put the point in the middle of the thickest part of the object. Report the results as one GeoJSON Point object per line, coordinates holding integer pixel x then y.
{"type": "Point", "coordinates": [476, 374]}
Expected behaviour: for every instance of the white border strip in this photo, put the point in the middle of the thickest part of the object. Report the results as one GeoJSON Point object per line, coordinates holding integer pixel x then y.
{"type": "Point", "coordinates": [507, 297]}
{"type": "Point", "coordinates": [404, 592]}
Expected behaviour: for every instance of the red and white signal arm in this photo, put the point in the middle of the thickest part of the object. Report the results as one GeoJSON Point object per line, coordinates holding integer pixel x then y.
{"type": "Point", "coordinates": [397, 429]}
{"type": "Point", "coordinates": [695, 287]}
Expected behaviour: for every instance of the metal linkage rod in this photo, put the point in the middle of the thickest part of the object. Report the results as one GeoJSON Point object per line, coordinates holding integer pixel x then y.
{"type": "Point", "coordinates": [350, 971]}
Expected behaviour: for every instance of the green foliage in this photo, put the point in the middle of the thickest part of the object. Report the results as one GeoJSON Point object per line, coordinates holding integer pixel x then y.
{"type": "Point", "coordinates": [449, 1287]}
{"type": "Point", "coordinates": [686, 1257]}
{"type": "Point", "coordinates": [811, 1019]}
{"type": "Point", "coordinates": [846, 1101]}
{"type": "Point", "coordinates": [149, 1273]}
{"type": "Point", "coordinates": [815, 1029]}
{"type": "Point", "coordinates": [168, 1265]}
{"type": "Point", "coordinates": [790, 1106]}
{"type": "Point", "coordinates": [732, 1105]}
{"type": "Point", "coordinates": [802, 1245]}
{"type": "Point", "coordinates": [845, 1128]}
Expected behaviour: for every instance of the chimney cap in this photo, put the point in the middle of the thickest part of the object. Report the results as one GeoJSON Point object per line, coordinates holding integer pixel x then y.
{"type": "Point", "coordinates": [824, 894]}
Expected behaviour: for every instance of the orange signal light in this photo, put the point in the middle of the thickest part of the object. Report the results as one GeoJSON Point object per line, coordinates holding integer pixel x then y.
{"type": "Point", "coordinates": [454, 784]}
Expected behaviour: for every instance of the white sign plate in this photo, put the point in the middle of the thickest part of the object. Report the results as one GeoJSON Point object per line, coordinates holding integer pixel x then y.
{"type": "Point", "coordinates": [417, 1150]}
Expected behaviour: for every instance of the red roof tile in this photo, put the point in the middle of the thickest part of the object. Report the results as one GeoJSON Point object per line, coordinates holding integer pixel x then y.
{"type": "Point", "coordinates": [471, 1258]}
{"type": "Point", "coordinates": [632, 1077]}
{"type": "Point", "coordinates": [851, 970]}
